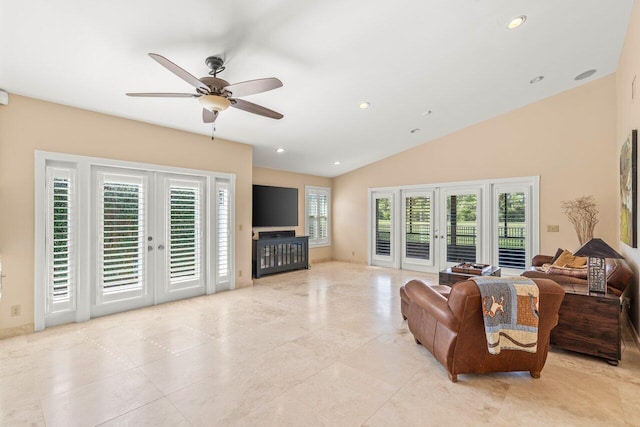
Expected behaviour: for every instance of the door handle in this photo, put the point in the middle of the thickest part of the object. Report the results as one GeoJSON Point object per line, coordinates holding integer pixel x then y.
{"type": "Point", "coordinates": [160, 247]}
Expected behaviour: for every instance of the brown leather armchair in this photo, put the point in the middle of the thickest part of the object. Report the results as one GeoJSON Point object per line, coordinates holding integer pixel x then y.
{"type": "Point", "coordinates": [618, 274]}
{"type": "Point", "coordinates": [453, 329]}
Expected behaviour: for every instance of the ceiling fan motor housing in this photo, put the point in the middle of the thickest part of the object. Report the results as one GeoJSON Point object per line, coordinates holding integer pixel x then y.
{"type": "Point", "coordinates": [215, 63]}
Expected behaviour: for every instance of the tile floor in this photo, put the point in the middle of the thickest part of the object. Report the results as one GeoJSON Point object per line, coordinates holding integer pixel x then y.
{"type": "Point", "coordinates": [309, 348]}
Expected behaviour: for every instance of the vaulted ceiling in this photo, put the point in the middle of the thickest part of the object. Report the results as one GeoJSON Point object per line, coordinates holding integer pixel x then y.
{"type": "Point", "coordinates": [432, 65]}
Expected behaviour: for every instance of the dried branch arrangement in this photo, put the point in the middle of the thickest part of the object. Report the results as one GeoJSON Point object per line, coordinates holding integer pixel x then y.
{"type": "Point", "coordinates": [583, 214]}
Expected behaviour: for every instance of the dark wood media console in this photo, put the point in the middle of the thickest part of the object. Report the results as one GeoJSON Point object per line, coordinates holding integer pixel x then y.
{"type": "Point", "coordinates": [276, 255]}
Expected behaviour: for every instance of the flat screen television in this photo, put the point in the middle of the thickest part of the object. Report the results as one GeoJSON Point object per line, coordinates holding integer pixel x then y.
{"type": "Point", "coordinates": [275, 206]}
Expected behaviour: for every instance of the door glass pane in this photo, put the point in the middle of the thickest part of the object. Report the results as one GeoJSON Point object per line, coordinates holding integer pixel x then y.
{"type": "Point", "coordinates": [184, 233]}
{"type": "Point", "coordinates": [418, 227]}
{"type": "Point", "coordinates": [511, 230]}
{"type": "Point", "coordinates": [122, 263]}
{"type": "Point", "coordinates": [461, 228]}
{"type": "Point", "coordinates": [383, 226]}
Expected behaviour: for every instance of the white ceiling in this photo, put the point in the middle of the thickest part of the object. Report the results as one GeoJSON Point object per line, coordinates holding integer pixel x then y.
{"type": "Point", "coordinates": [454, 57]}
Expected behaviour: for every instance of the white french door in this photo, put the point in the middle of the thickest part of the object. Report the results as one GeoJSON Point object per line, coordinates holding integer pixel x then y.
{"type": "Point", "coordinates": [149, 234]}
{"type": "Point", "coordinates": [180, 229]}
{"type": "Point", "coordinates": [383, 232]}
{"type": "Point", "coordinates": [418, 242]}
{"type": "Point", "coordinates": [114, 236]}
{"type": "Point", "coordinates": [460, 234]}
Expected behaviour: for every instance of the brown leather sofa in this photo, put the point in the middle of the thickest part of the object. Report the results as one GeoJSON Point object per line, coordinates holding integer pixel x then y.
{"type": "Point", "coordinates": [453, 329]}
{"type": "Point", "coordinates": [618, 274]}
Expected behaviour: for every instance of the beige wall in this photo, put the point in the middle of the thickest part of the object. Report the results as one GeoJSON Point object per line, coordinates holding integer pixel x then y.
{"type": "Point", "coordinates": [568, 140]}
{"type": "Point", "coordinates": [628, 118]}
{"type": "Point", "coordinates": [27, 124]}
{"type": "Point", "coordinates": [278, 178]}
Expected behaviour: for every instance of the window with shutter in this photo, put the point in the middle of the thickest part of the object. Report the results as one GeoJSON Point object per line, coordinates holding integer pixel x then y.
{"type": "Point", "coordinates": [122, 230]}
{"type": "Point", "coordinates": [383, 226]}
{"type": "Point", "coordinates": [418, 227]}
{"type": "Point", "coordinates": [462, 227]}
{"type": "Point", "coordinates": [222, 208]}
{"type": "Point", "coordinates": [60, 240]}
{"type": "Point", "coordinates": [512, 229]}
{"type": "Point", "coordinates": [318, 208]}
{"type": "Point", "coordinates": [184, 232]}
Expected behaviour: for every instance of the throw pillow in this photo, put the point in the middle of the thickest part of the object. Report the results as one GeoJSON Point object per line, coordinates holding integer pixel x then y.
{"type": "Point", "coordinates": [556, 256]}
{"type": "Point", "coordinates": [566, 259]}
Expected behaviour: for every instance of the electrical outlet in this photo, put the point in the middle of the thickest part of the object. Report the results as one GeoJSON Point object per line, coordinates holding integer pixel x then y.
{"type": "Point", "coordinates": [553, 228]}
{"type": "Point", "coordinates": [15, 310]}
{"type": "Point", "coordinates": [353, 253]}
{"type": "Point", "coordinates": [239, 273]}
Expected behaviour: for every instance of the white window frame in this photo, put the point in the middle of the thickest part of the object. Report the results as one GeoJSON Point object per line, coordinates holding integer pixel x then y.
{"type": "Point", "coordinates": [82, 167]}
{"type": "Point", "coordinates": [326, 191]}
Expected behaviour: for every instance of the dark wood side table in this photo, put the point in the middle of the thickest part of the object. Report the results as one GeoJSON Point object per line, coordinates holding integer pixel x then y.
{"type": "Point", "coordinates": [589, 323]}
{"type": "Point", "coordinates": [448, 277]}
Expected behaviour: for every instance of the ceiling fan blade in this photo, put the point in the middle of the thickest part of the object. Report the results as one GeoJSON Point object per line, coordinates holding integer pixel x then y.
{"type": "Point", "coordinates": [184, 75]}
{"type": "Point", "coordinates": [164, 95]}
{"type": "Point", "coordinates": [241, 104]}
{"type": "Point", "coordinates": [209, 116]}
{"type": "Point", "coordinates": [253, 86]}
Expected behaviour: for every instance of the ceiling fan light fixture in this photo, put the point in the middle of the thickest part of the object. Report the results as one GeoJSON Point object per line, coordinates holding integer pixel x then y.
{"type": "Point", "coordinates": [214, 102]}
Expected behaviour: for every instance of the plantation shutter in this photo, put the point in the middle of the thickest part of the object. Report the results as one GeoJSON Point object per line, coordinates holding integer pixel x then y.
{"type": "Point", "coordinates": [312, 216]}
{"type": "Point", "coordinates": [418, 227]}
{"type": "Point", "coordinates": [121, 227]}
{"type": "Point", "coordinates": [318, 221]}
{"type": "Point", "coordinates": [222, 208]}
{"type": "Point", "coordinates": [383, 226]}
{"type": "Point", "coordinates": [462, 228]}
{"type": "Point", "coordinates": [60, 240]}
{"type": "Point", "coordinates": [512, 229]}
{"type": "Point", "coordinates": [185, 240]}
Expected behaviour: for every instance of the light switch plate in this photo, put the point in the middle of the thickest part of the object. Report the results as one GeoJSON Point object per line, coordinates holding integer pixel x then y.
{"type": "Point", "coordinates": [553, 228]}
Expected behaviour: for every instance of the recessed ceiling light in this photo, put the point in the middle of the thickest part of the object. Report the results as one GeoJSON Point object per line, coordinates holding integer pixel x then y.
{"type": "Point", "coordinates": [416, 130]}
{"type": "Point", "coordinates": [536, 79]}
{"type": "Point", "coordinates": [584, 75]}
{"type": "Point", "coordinates": [426, 113]}
{"type": "Point", "coordinates": [336, 162]}
{"type": "Point", "coordinates": [279, 150]}
{"type": "Point", "coordinates": [516, 22]}
{"type": "Point", "coordinates": [364, 105]}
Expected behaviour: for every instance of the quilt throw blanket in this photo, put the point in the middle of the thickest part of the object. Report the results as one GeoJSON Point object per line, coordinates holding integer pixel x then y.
{"type": "Point", "coordinates": [510, 311]}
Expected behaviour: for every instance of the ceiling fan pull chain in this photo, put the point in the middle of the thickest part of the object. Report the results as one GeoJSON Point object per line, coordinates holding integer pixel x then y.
{"type": "Point", "coordinates": [213, 130]}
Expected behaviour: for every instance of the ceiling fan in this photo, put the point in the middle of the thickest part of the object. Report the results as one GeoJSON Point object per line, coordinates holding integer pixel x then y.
{"type": "Point", "coordinates": [216, 94]}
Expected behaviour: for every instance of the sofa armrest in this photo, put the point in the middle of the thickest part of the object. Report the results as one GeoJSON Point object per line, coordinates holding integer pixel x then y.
{"type": "Point", "coordinates": [433, 303]}
{"type": "Point", "coordinates": [558, 278]}
{"type": "Point", "coordinates": [619, 275]}
{"type": "Point", "coordinates": [540, 260]}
